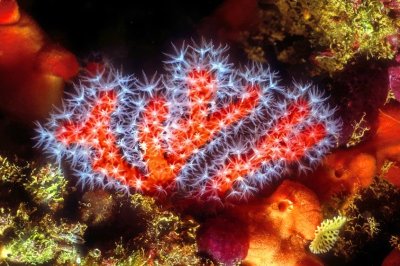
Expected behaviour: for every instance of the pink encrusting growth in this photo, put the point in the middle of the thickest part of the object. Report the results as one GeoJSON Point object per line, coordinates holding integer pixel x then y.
{"type": "Point", "coordinates": [203, 130]}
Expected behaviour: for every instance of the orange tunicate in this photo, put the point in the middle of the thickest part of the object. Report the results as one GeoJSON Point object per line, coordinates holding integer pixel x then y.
{"type": "Point", "coordinates": [9, 12]}
{"type": "Point", "coordinates": [56, 60]}
{"type": "Point", "coordinates": [281, 227]}
{"type": "Point", "coordinates": [386, 142]}
{"type": "Point", "coordinates": [32, 69]}
{"type": "Point", "coordinates": [393, 175]}
{"type": "Point", "coordinates": [387, 138]}
{"type": "Point", "coordinates": [342, 171]}
{"type": "Point", "coordinates": [346, 171]}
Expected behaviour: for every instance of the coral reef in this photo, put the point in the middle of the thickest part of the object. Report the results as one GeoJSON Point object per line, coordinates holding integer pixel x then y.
{"type": "Point", "coordinates": [148, 161]}
{"type": "Point", "coordinates": [207, 133]}
{"type": "Point", "coordinates": [10, 171]}
{"type": "Point", "coordinates": [44, 241]}
{"type": "Point", "coordinates": [47, 186]}
{"type": "Point", "coordinates": [29, 232]}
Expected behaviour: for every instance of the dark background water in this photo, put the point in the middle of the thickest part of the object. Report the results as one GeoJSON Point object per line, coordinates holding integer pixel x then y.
{"type": "Point", "coordinates": [130, 33]}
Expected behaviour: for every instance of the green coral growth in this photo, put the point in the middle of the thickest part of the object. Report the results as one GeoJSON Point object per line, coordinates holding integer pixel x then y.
{"type": "Point", "coordinates": [373, 215]}
{"type": "Point", "coordinates": [29, 233]}
{"type": "Point", "coordinates": [6, 220]}
{"type": "Point", "coordinates": [121, 256]}
{"type": "Point", "coordinates": [43, 241]}
{"type": "Point", "coordinates": [327, 234]}
{"type": "Point", "coordinates": [10, 172]}
{"type": "Point", "coordinates": [348, 29]}
{"type": "Point", "coordinates": [34, 230]}
{"type": "Point", "coordinates": [328, 34]}
{"type": "Point", "coordinates": [47, 186]}
{"type": "Point", "coordinates": [170, 238]}
{"type": "Point", "coordinates": [32, 247]}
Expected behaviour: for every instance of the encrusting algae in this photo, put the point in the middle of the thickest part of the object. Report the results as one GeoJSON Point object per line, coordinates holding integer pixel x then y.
{"type": "Point", "coordinates": [34, 233]}
{"type": "Point", "coordinates": [372, 215]}
{"type": "Point", "coordinates": [337, 31]}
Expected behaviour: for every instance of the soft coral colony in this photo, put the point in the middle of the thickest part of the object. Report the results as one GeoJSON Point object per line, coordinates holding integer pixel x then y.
{"type": "Point", "coordinates": [203, 130]}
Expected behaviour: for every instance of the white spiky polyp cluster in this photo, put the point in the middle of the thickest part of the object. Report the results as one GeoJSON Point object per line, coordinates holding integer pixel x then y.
{"type": "Point", "coordinates": [204, 129]}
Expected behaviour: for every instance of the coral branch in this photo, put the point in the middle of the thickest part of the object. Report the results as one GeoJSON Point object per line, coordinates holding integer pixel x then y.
{"type": "Point", "coordinates": [278, 144]}
{"type": "Point", "coordinates": [95, 133]}
{"type": "Point", "coordinates": [208, 131]}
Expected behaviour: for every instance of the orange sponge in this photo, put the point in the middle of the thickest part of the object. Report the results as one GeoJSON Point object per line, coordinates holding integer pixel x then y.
{"type": "Point", "coordinates": [9, 12]}
{"type": "Point", "coordinates": [32, 68]}
{"type": "Point", "coordinates": [343, 171]}
{"type": "Point", "coordinates": [280, 227]}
